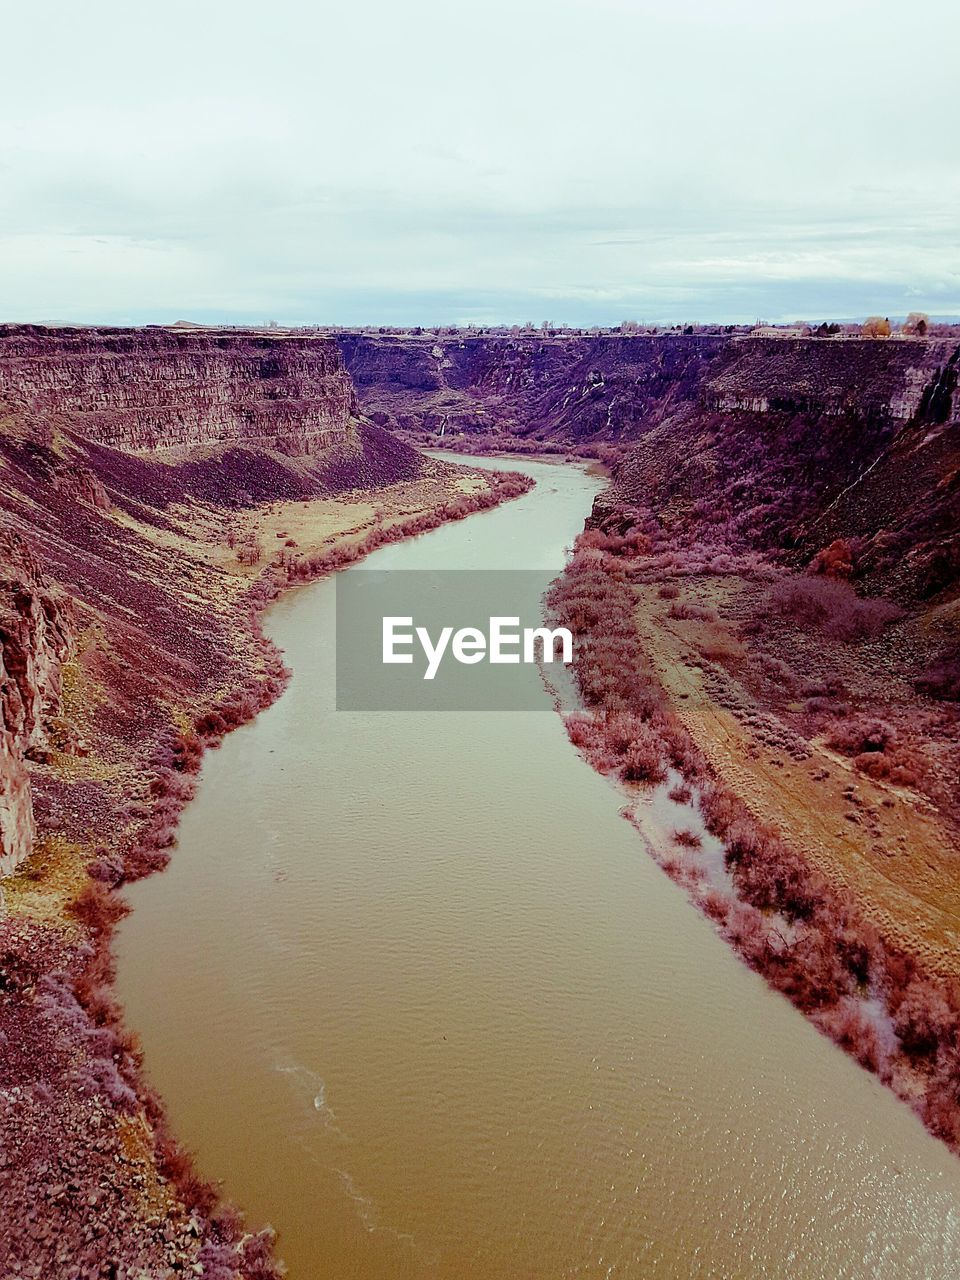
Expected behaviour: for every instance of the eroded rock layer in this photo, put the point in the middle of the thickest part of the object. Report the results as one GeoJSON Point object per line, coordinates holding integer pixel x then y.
{"type": "Point", "coordinates": [147, 389]}
{"type": "Point", "coordinates": [608, 389]}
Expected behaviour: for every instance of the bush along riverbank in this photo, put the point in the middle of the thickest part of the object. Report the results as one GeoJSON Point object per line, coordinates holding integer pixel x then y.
{"type": "Point", "coordinates": [807, 933]}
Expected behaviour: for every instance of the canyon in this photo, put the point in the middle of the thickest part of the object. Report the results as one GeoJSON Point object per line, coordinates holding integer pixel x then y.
{"type": "Point", "coordinates": [102, 428]}
{"type": "Point", "coordinates": [785, 514]}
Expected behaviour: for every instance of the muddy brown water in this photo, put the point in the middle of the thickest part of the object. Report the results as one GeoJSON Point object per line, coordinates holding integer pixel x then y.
{"type": "Point", "coordinates": [416, 993]}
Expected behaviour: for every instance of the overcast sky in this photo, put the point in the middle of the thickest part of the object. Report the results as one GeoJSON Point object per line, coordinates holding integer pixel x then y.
{"type": "Point", "coordinates": [583, 161]}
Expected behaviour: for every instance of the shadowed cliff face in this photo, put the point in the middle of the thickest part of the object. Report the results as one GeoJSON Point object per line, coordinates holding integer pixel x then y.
{"type": "Point", "coordinates": [146, 389]}
{"type": "Point", "coordinates": [551, 388]}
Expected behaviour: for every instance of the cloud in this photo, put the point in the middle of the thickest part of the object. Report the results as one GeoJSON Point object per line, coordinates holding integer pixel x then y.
{"type": "Point", "coordinates": [421, 162]}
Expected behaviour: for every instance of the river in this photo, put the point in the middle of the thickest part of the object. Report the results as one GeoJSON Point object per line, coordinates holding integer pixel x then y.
{"type": "Point", "coordinates": [415, 991]}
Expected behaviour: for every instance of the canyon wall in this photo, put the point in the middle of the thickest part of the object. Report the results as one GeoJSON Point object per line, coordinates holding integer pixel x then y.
{"type": "Point", "coordinates": [148, 389]}
{"type": "Point", "coordinates": [790, 454]}
{"type": "Point", "coordinates": [609, 389]}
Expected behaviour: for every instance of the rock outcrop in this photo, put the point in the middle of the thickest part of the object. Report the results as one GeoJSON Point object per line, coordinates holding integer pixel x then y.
{"type": "Point", "coordinates": [34, 640]}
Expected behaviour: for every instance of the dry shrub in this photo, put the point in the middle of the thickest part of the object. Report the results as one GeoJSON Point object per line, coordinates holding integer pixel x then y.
{"type": "Point", "coordinates": [850, 1026]}
{"type": "Point", "coordinates": [879, 751]}
{"type": "Point", "coordinates": [643, 759]}
{"type": "Point", "coordinates": [249, 552]}
{"type": "Point", "coordinates": [176, 1165]}
{"type": "Point", "coordinates": [632, 543]}
{"type": "Point", "coordinates": [858, 734]}
{"type": "Point", "coordinates": [97, 908]}
{"type": "Point", "coordinates": [683, 610]}
{"type": "Point", "coordinates": [716, 905]}
{"type": "Point", "coordinates": [720, 809]}
{"type": "Point", "coordinates": [831, 606]}
{"type": "Point", "coordinates": [925, 1018]}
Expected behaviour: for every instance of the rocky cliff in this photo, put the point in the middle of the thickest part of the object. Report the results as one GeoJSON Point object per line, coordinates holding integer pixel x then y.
{"type": "Point", "coordinates": [608, 389]}
{"type": "Point", "coordinates": [782, 453]}
{"type": "Point", "coordinates": [149, 389]}
{"type": "Point", "coordinates": [34, 640]}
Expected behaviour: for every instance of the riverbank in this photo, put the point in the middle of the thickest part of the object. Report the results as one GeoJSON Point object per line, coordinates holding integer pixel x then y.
{"type": "Point", "coordinates": [166, 655]}
{"type": "Point", "coordinates": [822, 863]}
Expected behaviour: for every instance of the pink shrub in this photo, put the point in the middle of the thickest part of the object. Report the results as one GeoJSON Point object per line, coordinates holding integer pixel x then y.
{"type": "Point", "coordinates": [642, 760]}
{"type": "Point", "coordinates": [939, 1112]}
{"type": "Point", "coordinates": [878, 751]}
{"type": "Point", "coordinates": [97, 908]}
{"type": "Point", "coordinates": [924, 1018]}
{"type": "Point", "coordinates": [584, 732]}
{"type": "Point", "coordinates": [858, 734]}
{"type": "Point", "coordinates": [631, 543]}
{"type": "Point", "coordinates": [716, 905]}
{"type": "Point", "coordinates": [809, 973]}
{"type": "Point", "coordinates": [749, 933]}
{"type": "Point", "coordinates": [720, 809]}
{"type": "Point", "coordinates": [770, 876]}
{"type": "Point", "coordinates": [107, 869]}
